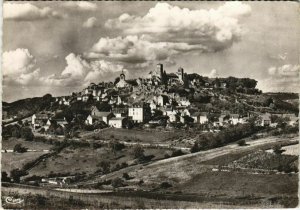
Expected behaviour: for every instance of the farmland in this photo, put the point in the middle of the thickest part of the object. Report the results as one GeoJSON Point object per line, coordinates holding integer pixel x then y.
{"type": "Point", "coordinates": [210, 180]}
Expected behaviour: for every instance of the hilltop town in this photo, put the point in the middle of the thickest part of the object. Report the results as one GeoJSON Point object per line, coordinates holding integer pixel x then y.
{"type": "Point", "coordinates": [155, 134]}
{"type": "Point", "coordinates": [164, 99]}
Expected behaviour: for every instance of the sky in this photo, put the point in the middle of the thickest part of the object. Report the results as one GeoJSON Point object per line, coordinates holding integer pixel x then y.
{"type": "Point", "coordinates": [61, 47]}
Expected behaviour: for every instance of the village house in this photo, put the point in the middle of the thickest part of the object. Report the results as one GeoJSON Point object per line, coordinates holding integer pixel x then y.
{"type": "Point", "coordinates": [162, 100]}
{"type": "Point", "coordinates": [139, 112]}
{"type": "Point", "coordinates": [101, 116]}
{"type": "Point", "coordinates": [265, 119]}
{"type": "Point", "coordinates": [116, 122]}
{"type": "Point", "coordinates": [39, 120]}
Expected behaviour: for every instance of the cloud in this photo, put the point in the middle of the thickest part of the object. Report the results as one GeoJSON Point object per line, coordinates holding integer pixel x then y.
{"type": "Point", "coordinates": [134, 49]}
{"type": "Point", "coordinates": [80, 72]}
{"type": "Point", "coordinates": [213, 73]}
{"type": "Point", "coordinates": [81, 5]}
{"type": "Point", "coordinates": [282, 78]}
{"type": "Point", "coordinates": [215, 29]}
{"type": "Point", "coordinates": [28, 12]}
{"type": "Point", "coordinates": [19, 68]}
{"type": "Point", "coordinates": [90, 23]}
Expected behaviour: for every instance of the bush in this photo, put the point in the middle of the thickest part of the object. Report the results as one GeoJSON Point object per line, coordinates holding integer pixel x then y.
{"type": "Point", "coordinates": [117, 182]}
{"type": "Point", "coordinates": [241, 142]}
{"type": "Point", "coordinates": [165, 185]}
{"type": "Point", "coordinates": [16, 174]}
{"type": "Point", "coordinates": [138, 151]}
{"type": "Point", "coordinates": [105, 166]}
{"type": "Point", "coordinates": [195, 148]}
{"type": "Point", "coordinates": [277, 149]}
{"type": "Point", "coordinates": [19, 148]}
{"type": "Point", "coordinates": [177, 153]}
{"type": "Point", "coordinates": [27, 134]}
{"type": "Point", "coordinates": [126, 176]}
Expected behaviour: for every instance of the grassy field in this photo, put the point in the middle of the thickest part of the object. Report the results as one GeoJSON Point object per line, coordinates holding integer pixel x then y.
{"type": "Point", "coordinates": [135, 135]}
{"type": "Point", "coordinates": [10, 161]}
{"type": "Point", "coordinates": [291, 150]}
{"type": "Point", "coordinates": [241, 184]}
{"type": "Point", "coordinates": [87, 160]}
{"type": "Point", "coordinates": [9, 144]}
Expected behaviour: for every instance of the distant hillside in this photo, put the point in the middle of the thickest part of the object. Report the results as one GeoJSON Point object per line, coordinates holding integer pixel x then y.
{"type": "Point", "coordinates": [28, 106]}
{"type": "Point", "coordinates": [283, 96]}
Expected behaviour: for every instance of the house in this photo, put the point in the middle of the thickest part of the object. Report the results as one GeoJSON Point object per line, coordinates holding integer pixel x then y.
{"type": "Point", "coordinates": [185, 112]}
{"type": "Point", "coordinates": [85, 98]}
{"type": "Point", "coordinates": [162, 100]}
{"type": "Point", "coordinates": [97, 115]}
{"type": "Point", "coordinates": [234, 119]}
{"type": "Point", "coordinates": [39, 120]}
{"type": "Point", "coordinates": [139, 112]}
{"type": "Point", "coordinates": [120, 111]}
{"type": "Point", "coordinates": [293, 120]}
{"type": "Point", "coordinates": [183, 101]}
{"type": "Point", "coordinates": [203, 118]}
{"type": "Point", "coordinates": [152, 105]}
{"type": "Point", "coordinates": [102, 116]}
{"type": "Point", "coordinates": [116, 122]}
{"type": "Point", "coordinates": [265, 119]}
{"type": "Point", "coordinates": [122, 82]}
{"type": "Point", "coordinates": [196, 117]}
{"type": "Point", "coordinates": [173, 117]}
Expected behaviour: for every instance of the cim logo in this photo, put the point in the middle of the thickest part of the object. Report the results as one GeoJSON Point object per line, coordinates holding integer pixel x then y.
{"type": "Point", "coordinates": [12, 200]}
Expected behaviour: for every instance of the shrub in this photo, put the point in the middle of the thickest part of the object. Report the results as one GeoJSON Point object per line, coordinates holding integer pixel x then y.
{"type": "Point", "coordinates": [27, 134]}
{"type": "Point", "coordinates": [277, 149]}
{"type": "Point", "coordinates": [16, 174]}
{"type": "Point", "coordinates": [195, 148]}
{"type": "Point", "coordinates": [117, 182]}
{"type": "Point", "coordinates": [19, 148]}
{"type": "Point", "coordinates": [105, 166]}
{"type": "Point", "coordinates": [165, 185]}
{"type": "Point", "coordinates": [138, 151]}
{"type": "Point", "coordinates": [126, 176]}
{"type": "Point", "coordinates": [177, 153]}
{"type": "Point", "coordinates": [241, 142]}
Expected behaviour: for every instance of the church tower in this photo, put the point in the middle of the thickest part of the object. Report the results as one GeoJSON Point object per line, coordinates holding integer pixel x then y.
{"type": "Point", "coordinates": [180, 74]}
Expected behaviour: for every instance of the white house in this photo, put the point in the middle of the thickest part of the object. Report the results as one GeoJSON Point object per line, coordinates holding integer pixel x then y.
{"type": "Point", "coordinates": [116, 122]}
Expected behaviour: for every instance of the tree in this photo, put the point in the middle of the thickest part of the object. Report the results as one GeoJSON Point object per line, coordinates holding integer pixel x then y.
{"type": "Point", "coordinates": [4, 177]}
{"type": "Point", "coordinates": [277, 149]}
{"type": "Point", "coordinates": [105, 166]}
{"type": "Point", "coordinates": [241, 142]}
{"type": "Point", "coordinates": [15, 132]}
{"type": "Point", "coordinates": [117, 182]}
{"type": "Point", "coordinates": [138, 151]}
{"type": "Point", "coordinates": [116, 146]}
{"type": "Point", "coordinates": [19, 148]}
{"type": "Point", "coordinates": [16, 174]}
{"type": "Point", "coordinates": [195, 148]}
{"type": "Point", "coordinates": [27, 134]}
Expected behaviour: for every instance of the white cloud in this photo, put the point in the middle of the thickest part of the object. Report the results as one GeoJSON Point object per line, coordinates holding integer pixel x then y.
{"type": "Point", "coordinates": [216, 29]}
{"type": "Point", "coordinates": [282, 78]}
{"type": "Point", "coordinates": [28, 11]}
{"type": "Point", "coordinates": [17, 62]}
{"type": "Point", "coordinates": [90, 22]}
{"type": "Point", "coordinates": [134, 49]}
{"type": "Point", "coordinates": [19, 68]}
{"type": "Point", "coordinates": [213, 73]}
{"type": "Point", "coordinates": [80, 72]}
{"type": "Point", "coordinates": [81, 5]}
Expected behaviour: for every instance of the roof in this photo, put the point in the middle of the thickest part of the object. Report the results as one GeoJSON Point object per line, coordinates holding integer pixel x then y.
{"type": "Point", "coordinates": [103, 114]}
{"type": "Point", "coordinates": [196, 114]}
{"type": "Point", "coordinates": [117, 118]}
{"type": "Point", "coordinates": [235, 115]}
{"type": "Point", "coordinates": [41, 116]}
